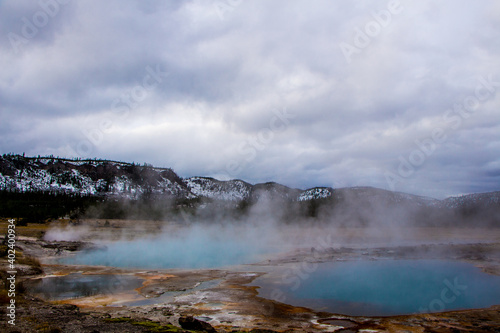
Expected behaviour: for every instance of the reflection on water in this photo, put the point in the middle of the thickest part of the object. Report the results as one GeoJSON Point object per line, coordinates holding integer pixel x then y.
{"type": "Point", "coordinates": [79, 285]}
{"type": "Point", "coordinates": [384, 287]}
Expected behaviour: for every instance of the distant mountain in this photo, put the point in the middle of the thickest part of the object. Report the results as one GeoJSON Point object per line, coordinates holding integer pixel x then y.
{"type": "Point", "coordinates": [129, 180]}
{"type": "Point", "coordinates": [316, 193]}
{"type": "Point", "coordinates": [114, 179]}
{"type": "Point", "coordinates": [93, 177]}
{"type": "Point", "coordinates": [485, 200]}
{"type": "Point", "coordinates": [232, 190]}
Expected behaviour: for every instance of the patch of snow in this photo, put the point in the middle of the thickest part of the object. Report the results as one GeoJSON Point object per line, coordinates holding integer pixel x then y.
{"type": "Point", "coordinates": [232, 190]}
{"type": "Point", "coordinates": [315, 193]}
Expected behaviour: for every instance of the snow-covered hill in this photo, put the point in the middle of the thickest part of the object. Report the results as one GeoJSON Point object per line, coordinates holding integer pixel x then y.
{"type": "Point", "coordinates": [489, 199]}
{"type": "Point", "coordinates": [232, 190]}
{"type": "Point", "coordinates": [129, 180]}
{"type": "Point", "coordinates": [316, 193]}
{"type": "Point", "coordinates": [91, 177]}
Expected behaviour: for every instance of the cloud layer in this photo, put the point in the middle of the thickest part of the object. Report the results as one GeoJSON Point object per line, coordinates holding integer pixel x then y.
{"type": "Point", "coordinates": [397, 94]}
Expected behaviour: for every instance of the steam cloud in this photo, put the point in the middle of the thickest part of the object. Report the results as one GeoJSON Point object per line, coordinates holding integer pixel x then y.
{"type": "Point", "coordinates": [215, 236]}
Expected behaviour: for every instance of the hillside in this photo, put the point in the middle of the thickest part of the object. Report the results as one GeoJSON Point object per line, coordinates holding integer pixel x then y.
{"type": "Point", "coordinates": [125, 180]}
{"type": "Point", "coordinates": [96, 177]}
{"type": "Point", "coordinates": [129, 181]}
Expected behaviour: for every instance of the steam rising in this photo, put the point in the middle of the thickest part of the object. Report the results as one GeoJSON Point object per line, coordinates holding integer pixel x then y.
{"type": "Point", "coordinates": [70, 234]}
{"type": "Point", "coordinates": [217, 234]}
{"type": "Point", "coordinates": [194, 247]}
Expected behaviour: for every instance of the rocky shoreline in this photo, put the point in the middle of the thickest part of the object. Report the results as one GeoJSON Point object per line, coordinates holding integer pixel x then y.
{"type": "Point", "coordinates": [230, 304]}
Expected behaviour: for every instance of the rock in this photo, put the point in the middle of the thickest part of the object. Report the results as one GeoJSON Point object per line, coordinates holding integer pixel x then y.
{"type": "Point", "coordinates": [190, 323]}
{"type": "Point", "coordinates": [167, 313]}
{"type": "Point", "coordinates": [28, 270]}
{"type": "Point", "coordinates": [69, 307]}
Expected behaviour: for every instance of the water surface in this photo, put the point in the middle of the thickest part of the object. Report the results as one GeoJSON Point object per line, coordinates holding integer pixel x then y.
{"type": "Point", "coordinates": [82, 285]}
{"type": "Point", "coordinates": [382, 287]}
{"type": "Point", "coordinates": [195, 251]}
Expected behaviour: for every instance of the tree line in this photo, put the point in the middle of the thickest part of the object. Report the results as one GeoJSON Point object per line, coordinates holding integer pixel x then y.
{"type": "Point", "coordinates": [39, 206]}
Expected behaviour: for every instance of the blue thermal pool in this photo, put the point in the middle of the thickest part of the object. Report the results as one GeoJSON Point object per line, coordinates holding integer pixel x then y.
{"type": "Point", "coordinates": [160, 253]}
{"type": "Point", "coordinates": [382, 287]}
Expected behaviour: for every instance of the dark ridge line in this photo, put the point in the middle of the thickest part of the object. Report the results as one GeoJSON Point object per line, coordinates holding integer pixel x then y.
{"type": "Point", "coordinates": [86, 160]}
{"type": "Point", "coordinates": [270, 183]}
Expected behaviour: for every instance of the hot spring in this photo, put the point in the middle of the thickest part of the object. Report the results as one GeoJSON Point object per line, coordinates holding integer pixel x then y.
{"type": "Point", "coordinates": [198, 248]}
{"type": "Point", "coordinates": [383, 287]}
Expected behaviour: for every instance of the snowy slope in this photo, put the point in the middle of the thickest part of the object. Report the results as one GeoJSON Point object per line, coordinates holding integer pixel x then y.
{"type": "Point", "coordinates": [232, 190]}
{"type": "Point", "coordinates": [315, 193]}
{"type": "Point", "coordinates": [113, 178]}
{"type": "Point", "coordinates": [489, 199]}
{"type": "Point", "coordinates": [32, 179]}
{"type": "Point", "coordinates": [109, 178]}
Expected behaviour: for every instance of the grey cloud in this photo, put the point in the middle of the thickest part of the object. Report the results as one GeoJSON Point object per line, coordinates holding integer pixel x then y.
{"type": "Point", "coordinates": [227, 73]}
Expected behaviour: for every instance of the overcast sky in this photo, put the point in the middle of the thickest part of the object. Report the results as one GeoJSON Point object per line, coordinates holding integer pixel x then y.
{"type": "Point", "coordinates": [401, 95]}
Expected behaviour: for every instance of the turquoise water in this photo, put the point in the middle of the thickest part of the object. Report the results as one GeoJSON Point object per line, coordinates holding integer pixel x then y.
{"type": "Point", "coordinates": [202, 252]}
{"type": "Point", "coordinates": [383, 287]}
